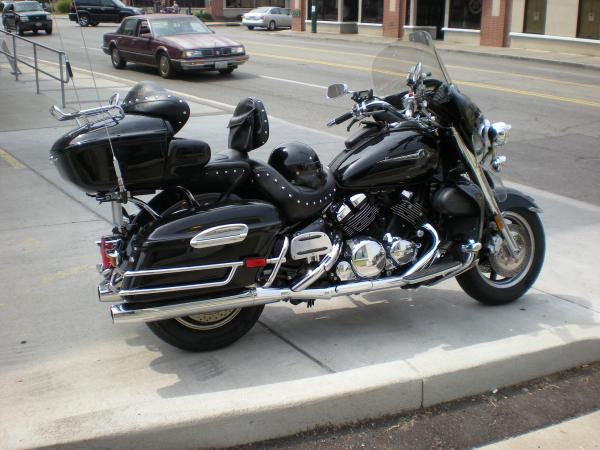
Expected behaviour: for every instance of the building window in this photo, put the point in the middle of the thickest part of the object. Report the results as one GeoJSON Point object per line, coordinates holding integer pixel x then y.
{"type": "Point", "coordinates": [372, 11]}
{"type": "Point", "coordinates": [465, 14]}
{"type": "Point", "coordinates": [407, 17]}
{"type": "Point", "coordinates": [350, 11]}
{"type": "Point", "coordinates": [588, 24]}
{"type": "Point", "coordinates": [535, 17]}
{"type": "Point", "coordinates": [326, 10]}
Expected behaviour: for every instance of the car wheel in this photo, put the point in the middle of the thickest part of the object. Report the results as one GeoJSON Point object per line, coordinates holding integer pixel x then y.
{"type": "Point", "coordinates": [48, 30]}
{"type": "Point", "coordinates": [117, 60]}
{"type": "Point", "coordinates": [226, 71]}
{"type": "Point", "coordinates": [165, 68]}
{"type": "Point", "coordinates": [35, 31]}
{"type": "Point", "coordinates": [250, 27]}
{"type": "Point", "coordinates": [20, 30]}
{"type": "Point", "coordinates": [272, 25]}
{"type": "Point", "coordinates": [84, 20]}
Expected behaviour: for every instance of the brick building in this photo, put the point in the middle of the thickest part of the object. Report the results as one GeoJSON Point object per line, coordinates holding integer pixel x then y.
{"type": "Point", "coordinates": [557, 25]}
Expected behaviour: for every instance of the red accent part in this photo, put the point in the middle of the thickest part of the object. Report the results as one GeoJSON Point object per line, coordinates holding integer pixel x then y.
{"type": "Point", "coordinates": [105, 248]}
{"type": "Point", "coordinates": [252, 263]}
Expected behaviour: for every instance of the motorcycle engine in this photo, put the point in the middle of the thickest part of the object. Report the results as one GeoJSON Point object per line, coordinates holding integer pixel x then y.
{"type": "Point", "coordinates": [365, 257]}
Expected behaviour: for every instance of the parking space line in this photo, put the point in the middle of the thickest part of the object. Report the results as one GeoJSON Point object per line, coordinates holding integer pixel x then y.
{"type": "Point", "coordinates": [294, 82]}
{"type": "Point", "coordinates": [11, 160]}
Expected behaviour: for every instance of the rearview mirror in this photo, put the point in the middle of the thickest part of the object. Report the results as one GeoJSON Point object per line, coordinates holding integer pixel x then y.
{"type": "Point", "coordinates": [337, 90]}
{"type": "Point", "coordinates": [114, 99]}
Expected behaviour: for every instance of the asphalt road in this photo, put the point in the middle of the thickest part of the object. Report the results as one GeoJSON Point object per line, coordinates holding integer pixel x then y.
{"type": "Point", "coordinates": [554, 109]}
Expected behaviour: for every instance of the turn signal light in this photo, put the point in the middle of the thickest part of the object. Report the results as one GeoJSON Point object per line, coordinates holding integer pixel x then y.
{"type": "Point", "coordinates": [253, 263]}
{"type": "Point", "coordinates": [107, 248]}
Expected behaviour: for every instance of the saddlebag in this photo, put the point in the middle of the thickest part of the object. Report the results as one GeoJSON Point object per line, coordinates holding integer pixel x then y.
{"type": "Point", "coordinates": [197, 253]}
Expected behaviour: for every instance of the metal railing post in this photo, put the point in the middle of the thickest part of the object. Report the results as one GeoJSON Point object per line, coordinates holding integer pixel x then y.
{"type": "Point", "coordinates": [37, 75]}
{"type": "Point", "coordinates": [14, 39]}
{"type": "Point", "coordinates": [62, 79]}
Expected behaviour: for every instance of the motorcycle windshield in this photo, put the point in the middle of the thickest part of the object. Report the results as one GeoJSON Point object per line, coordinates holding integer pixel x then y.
{"type": "Point", "coordinates": [393, 63]}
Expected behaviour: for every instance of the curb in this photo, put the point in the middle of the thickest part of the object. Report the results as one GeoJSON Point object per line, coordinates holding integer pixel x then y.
{"type": "Point", "coordinates": [254, 414]}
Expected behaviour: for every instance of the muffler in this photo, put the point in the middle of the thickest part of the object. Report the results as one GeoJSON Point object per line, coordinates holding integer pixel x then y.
{"type": "Point", "coordinates": [126, 312]}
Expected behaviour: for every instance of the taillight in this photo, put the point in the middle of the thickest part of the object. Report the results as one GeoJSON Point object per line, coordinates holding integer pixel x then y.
{"type": "Point", "coordinates": [108, 253]}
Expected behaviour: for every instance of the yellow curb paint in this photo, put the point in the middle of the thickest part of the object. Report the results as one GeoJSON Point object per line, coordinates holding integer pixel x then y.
{"type": "Point", "coordinates": [11, 160]}
{"type": "Point", "coordinates": [66, 273]}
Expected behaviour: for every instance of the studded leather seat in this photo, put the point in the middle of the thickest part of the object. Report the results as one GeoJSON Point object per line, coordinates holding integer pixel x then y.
{"type": "Point", "coordinates": [296, 203]}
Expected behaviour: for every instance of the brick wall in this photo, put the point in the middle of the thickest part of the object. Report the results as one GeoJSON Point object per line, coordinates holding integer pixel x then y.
{"type": "Point", "coordinates": [393, 18]}
{"type": "Point", "coordinates": [298, 15]}
{"type": "Point", "coordinates": [495, 23]}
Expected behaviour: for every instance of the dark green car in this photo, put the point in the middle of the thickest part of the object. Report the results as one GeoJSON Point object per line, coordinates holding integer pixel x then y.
{"type": "Point", "coordinates": [26, 16]}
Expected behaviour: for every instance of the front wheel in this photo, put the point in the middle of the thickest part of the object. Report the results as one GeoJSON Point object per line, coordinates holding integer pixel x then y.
{"type": "Point", "coordinates": [165, 67]}
{"type": "Point", "coordinates": [206, 332]}
{"type": "Point", "coordinates": [499, 278]}
{"type": "Point", "coordinates": [20, 30]}
{"type": "Point", "coordinates": [117, 60]}
{"type": "Point", "coordinates": [48, 30]}
{"type": "Point", "coordinates": [272, 25]}
{"type": "Point", "coordinates": [84, 20]}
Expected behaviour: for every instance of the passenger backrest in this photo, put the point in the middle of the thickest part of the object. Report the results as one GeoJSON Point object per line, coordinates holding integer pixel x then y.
{"type": "Point", "coordinates": [249, 126]}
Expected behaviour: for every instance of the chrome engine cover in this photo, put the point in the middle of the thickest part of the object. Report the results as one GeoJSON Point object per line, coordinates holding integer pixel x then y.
{"type": "Point", "coordinates": [367, 256]}
{"type": "Point", "coordinates": [400, 251]}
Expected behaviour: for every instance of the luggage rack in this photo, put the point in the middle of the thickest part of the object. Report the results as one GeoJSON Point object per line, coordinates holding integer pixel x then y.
{"type": "Point", "coordinates": [113, 111]}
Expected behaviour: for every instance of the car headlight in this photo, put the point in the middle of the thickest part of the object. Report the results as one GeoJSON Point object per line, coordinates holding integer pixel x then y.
{"type": "Point", "coordinates": [237, 50]}
{"type": "Point", "coordinates": [23, 19]}
{"type": "Point", "coordinates": [193, 54]}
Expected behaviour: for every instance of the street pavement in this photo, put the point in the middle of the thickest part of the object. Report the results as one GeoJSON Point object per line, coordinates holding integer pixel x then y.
{"type": "Point", "coordinates": [71, 378]}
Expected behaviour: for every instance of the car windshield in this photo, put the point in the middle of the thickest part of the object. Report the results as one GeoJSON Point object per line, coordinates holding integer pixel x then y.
{"type": "Point", "coordinates": [180, 25]}
{"type": "Point", "coordinates": [393, 63]}
{"type": "Point", "coordinates": [260, 10]}
{"type": "Point", "coordinates": [28, 6]}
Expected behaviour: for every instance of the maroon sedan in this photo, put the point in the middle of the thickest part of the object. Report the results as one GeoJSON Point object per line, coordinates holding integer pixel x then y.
{"type": "Point", "coordinates": [172, 42]}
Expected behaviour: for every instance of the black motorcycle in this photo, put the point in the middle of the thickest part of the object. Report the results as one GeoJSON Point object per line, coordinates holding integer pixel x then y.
{"type": "Point", "coordinates": [413, 199]}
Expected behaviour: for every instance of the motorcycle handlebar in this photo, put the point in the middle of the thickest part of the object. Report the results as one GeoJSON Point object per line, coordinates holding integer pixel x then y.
{"type": "Point", "coordinates": [340, 119]}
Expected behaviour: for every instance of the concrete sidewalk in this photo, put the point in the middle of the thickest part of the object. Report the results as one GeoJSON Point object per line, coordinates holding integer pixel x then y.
{"type": "Point", "coordinates": [71, 378]}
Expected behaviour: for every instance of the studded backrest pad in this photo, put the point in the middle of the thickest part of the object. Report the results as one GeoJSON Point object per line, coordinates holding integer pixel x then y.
{"type": "Point", "coordinates": [149, 99]}
{"type": "Point", "coordinates": [249, 126]}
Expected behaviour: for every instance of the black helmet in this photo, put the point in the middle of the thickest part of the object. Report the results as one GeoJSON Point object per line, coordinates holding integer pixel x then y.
{"type": "Point", "coordinates": [299, 164]}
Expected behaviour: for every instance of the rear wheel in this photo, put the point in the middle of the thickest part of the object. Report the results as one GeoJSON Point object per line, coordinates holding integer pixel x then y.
{"type": "Point", "coordinates": [48, 30]}
{"type": "Point", "coordinates": [499, 278]}
{"type": "Point", "coordinates": [84, 20]}
{"type": "Point", "coordinates": [117, 60]}
{"type": "Point", "coordinates": [165, 68]}
{"type": "Point", "coordinates": [205, 332]}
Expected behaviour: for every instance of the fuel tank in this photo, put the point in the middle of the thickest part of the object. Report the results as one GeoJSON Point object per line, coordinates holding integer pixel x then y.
{"type": "Point", "coordinates": [387, 158]}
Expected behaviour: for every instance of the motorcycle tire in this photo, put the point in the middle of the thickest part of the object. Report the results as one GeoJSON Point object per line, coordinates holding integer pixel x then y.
{"type": "Point", "coordinates": [206, 332]}
{"type": "Point", "coordinates": [508, 279]}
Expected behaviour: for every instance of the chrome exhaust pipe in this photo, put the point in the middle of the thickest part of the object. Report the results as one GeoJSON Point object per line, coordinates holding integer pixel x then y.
{"type": "Point", "coordinates": [126, 312]}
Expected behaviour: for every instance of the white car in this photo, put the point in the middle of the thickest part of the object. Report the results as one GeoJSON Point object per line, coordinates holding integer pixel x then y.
{"type": "Point", "coordinates": [268, 17]}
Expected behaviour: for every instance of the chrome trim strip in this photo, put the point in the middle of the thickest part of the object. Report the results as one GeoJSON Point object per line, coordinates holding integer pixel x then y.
{"type": "Point", "coordinates": [280, 260]}
{"type": "Point", "coordinates": [150, 272]}
{"type": "Point", "coordinates": [186, 287]}
{"type": "Point", "coordinates": [220, 235]}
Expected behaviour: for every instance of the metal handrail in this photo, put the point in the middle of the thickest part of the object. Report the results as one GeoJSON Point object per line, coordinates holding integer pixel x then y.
{"type": "Point", "coordinates": [63, 63]}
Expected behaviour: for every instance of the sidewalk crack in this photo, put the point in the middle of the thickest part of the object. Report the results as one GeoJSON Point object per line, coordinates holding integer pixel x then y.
{"type": "Point", "coordinates": [298, 349]}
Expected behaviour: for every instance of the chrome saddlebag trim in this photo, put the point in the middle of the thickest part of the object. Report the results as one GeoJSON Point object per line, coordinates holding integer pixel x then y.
{"type": "Point", "coordinates": [220, 235]}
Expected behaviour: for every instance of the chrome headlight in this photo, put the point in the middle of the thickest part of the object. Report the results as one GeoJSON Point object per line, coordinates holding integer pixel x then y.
{"type": "Point", "coordinates": [499, 133]}
{"type": "Point", "coordinates": [237, 50]}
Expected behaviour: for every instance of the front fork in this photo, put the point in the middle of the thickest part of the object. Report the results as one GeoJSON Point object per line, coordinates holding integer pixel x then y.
{"type": "Point", "coordinates": [488, 194]}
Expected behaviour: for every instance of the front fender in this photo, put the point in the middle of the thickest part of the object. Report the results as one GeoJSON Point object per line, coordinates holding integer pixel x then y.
{"type": "Point", "coordinates": [517, 199]}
